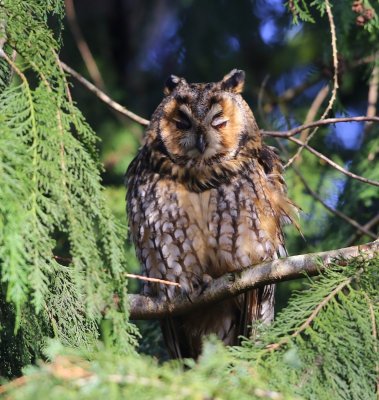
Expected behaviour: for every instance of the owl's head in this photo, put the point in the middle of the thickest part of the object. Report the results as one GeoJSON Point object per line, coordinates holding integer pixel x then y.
{"type": "Point", "coordinates": [200, 123]}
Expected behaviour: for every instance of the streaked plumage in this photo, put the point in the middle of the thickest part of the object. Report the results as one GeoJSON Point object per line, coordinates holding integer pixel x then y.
{"type": "Point", "coordinates": [205, 197]}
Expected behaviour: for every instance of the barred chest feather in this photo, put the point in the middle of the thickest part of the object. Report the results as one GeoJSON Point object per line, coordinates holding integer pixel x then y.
{"type": "Point", "coordinates": [190, 237]}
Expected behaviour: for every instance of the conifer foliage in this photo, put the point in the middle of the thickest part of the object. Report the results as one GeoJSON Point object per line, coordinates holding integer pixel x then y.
{"type": "Point", "coordinates": [63, 264]}
{"type": "Point", "coordinates": [51, 194]}
{"type": "Point", "coordinates": [323, 346]}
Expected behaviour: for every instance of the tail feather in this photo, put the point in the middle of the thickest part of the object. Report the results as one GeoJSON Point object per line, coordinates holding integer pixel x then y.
{"type": "Point", "coordinates": [170, 333]}
{"type": "Point", "coordinates": [230, 321]}
{"type": "Point", "coordinates": [257, 305]}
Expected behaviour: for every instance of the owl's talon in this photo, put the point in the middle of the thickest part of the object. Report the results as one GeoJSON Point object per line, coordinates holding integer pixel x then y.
{"type": "Point", "coordinates": [207, 279]}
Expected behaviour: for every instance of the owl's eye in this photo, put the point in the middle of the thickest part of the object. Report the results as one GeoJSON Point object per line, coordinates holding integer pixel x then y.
{"type": "Point", "coordinates": [182, 122]}
{"type": "Point", "coordinates": [219, 121]}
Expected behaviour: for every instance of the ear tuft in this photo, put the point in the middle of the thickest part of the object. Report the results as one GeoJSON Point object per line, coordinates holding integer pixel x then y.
{"type": "Point", "coordinates": [171, 83]}
{"type": "Point", "coordinates": [234, 81]}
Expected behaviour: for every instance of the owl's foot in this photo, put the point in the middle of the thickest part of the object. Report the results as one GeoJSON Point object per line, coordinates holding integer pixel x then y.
{"type": "Point", "coordinates": [192, 288]}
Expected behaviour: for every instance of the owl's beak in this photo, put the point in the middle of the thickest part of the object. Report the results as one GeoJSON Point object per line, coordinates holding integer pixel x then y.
{"type": "Point", "coordinates": [200, 143]}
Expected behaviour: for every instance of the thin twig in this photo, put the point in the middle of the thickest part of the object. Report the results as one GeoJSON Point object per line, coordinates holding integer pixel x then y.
{"type": "Point", "coordinates": [333, 164]}
{"type": "Point", "coordinates": [261, 95]}
{"type": "Point", "coordinates": [365, 229]}
{"type": "Point", "coordinates": [13, 65]}
{"type": "Point", "coordinates": [311, 114]}
{"type": "Point", "coordinates": [338, 213]}
{"type": "Point", "coordinates": [133, 276]}
{"type": "Point", "coordinates": [156, 280]}
{"type": "Point", "coordinates": [289, 134]}
{"type": "Point", "coordinates": [293, 92]}
{"type": "Point", "coordinates": [233, 284]}
{"type": "Point", "coordinates": [335, 80]}
{"type": "Point", "coordinates": [104, 97]}
{"type": "Point", "coordinates": [83, 47]}
{"type": "Point", "coordinates": [283, 134]}
{"type": "Point", "coordinates": [313, 315]}
{"type": "Point", "coordinates": [367, 226]}
{"type": "Point", "coordinates": [365, 60]}
{"type": "Point", "coordinates": [372, 97]}
{"type": "Point", "coordinates": [328, 121]}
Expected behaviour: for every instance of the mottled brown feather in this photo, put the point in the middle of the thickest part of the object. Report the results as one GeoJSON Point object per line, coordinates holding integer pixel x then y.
{"type": "Point", "coordinates": [196, 213]}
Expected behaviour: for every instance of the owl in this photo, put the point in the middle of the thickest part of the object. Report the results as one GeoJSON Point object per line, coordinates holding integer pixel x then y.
{"type": "Point", "coordinates": [206, 197]}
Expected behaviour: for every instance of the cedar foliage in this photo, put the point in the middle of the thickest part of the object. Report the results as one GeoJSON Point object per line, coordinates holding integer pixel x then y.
{"type": "Point", "coordinates": [334, 357]}
{"type": "Point", "coordinates": [62, 260]}
{"type": "Point", "coordinates": [50, 191]}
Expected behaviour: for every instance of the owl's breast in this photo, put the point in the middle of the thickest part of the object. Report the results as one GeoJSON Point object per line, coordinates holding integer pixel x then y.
{"type": "Point", "coordinates": [185, 236]}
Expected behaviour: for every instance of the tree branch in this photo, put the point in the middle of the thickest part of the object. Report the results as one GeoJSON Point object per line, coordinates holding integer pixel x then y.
{"type": "Point", "coordinates": [335, 81]}
{"type": "Point", "coordinates": [232, 284]}
{"type": "Point", "coordinates": [372, 93]}
{"type": "Point", "coordinates": [360, 228]}
{"type": "Point", "coordinates": [333, 164]}
{"type": "Point", "coordinates": [104, 97]}
{"type": "Point", "coordinates": [368, 225]}
{"type": "Point", "coordinates": [143, 121]}
{"type": "Point", "coordinates": [328, 121]}
{"type": "Point", "coordinates": [82, 45]}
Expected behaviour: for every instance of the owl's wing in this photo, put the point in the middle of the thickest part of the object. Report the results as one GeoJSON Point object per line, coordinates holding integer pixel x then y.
{"type": "Point", "coordinates": [258, 304]}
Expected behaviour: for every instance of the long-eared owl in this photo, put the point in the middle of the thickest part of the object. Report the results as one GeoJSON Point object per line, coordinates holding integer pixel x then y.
{"type": "Point", "coordinates": [205, 197]}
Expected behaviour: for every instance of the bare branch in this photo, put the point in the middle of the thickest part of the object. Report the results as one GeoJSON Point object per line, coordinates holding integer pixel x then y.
{"type": "Point", "coordinates": [66, 85]}
{"type": "Point", "coordinates": [311, 116]}
{"type": "Point", "coordinates": [335, 80]}
{"type": "Point", "coordinates": [328, 121]}
{"type": "Point", "coordinates": [367, 226]}
{"type": "Point", "coordinates": [286, 134]}
{"type": "Point", "coordinates": [133, 276]}
{"type": "Point", "coordinates": [232, 284]}
{"type": "Point", "coordinates": [333, 164]}
{"type": "Point", "coordinates": [293, 92]}
{"type": "Point", "coordinates": [261, 94]}
{"type": "Point", "coordinates": [83, 47]}
{"type": "Point", "coordinates": [338, 213]}
{"type": "Point", "coordinates": [288, 95]}
{"type": "Point", "coordinates": [313, 109]}
{"type": "Point", "coordinates": [104, 97]}
{"type": "Point", "coordinates": [373, 92]}
{"type": "Point", "coordinates": [281, 134]}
